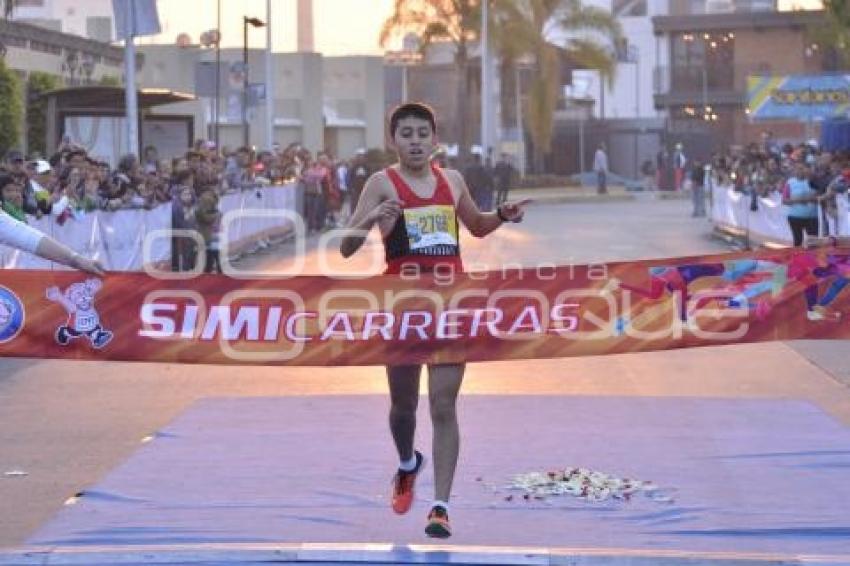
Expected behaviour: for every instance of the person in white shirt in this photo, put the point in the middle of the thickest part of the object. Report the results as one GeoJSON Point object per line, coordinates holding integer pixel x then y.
{"type": "Point", "coordinates": [600, 165]}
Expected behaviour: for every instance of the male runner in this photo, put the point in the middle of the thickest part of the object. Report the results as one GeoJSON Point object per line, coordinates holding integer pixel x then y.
{"type": "Point", "coordinates": [416, 206]}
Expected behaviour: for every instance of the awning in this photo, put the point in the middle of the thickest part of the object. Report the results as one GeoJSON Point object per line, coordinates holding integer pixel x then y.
{"type": "Point", "coordinates": [106, 98]}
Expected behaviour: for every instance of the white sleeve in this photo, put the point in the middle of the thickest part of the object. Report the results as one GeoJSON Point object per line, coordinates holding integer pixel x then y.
{"type": "Point", "coordinates": [18, 235]}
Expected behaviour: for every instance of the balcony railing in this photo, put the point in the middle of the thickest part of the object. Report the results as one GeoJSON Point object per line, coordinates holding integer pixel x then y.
{"type": "Point", "coordinates": [714, 78]}
{"type": "Point", "coordinates": [693, 7]}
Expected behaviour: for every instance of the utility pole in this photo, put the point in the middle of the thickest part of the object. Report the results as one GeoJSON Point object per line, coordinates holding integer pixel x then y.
{"type": "Point", "coordinates": [130, 95]}
{"type": "Point", "coordinates": [269, 79]}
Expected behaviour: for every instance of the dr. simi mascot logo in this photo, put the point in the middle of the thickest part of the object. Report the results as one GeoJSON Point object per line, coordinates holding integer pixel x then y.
{"type": "Point", "coordinates": [83, 320]}
{"type": "Point", "coordinates": [11, 315]}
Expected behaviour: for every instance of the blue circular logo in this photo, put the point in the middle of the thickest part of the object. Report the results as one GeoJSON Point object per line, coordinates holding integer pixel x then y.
{"type": "Point", "coordinates": [11, 315]}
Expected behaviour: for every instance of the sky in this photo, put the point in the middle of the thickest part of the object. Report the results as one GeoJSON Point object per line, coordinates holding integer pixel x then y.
{"type": "Point", "coordinates": [802, 4]}
{"type": "Point", "coordinates": [341, 27]}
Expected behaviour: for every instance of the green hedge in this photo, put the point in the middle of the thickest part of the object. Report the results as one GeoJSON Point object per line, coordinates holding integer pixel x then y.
{"type": "Point", "coordinates": [38, 83]}
{"type": "Point", "coordinates": [11, 109]}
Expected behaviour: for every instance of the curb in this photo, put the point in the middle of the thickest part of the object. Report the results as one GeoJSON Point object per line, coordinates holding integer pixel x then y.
{"type": "Point", "coordinates": [378, 553]}
{"type": "Point", "coordinates": [568, 197]}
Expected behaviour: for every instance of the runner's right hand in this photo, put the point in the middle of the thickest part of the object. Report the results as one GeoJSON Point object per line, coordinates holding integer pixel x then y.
{"type": "Point", "coordinates": [387, 212]}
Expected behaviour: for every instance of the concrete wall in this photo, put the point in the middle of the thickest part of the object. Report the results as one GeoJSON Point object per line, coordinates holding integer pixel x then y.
{"type": "Point", "coordinates": [308, 89]}
{"type": "Point", "coordinates": [173, 68]}
{"type": "Point", "coordinates": [73, 14]}
{"type": "Point", "coordinates": [354, 89]}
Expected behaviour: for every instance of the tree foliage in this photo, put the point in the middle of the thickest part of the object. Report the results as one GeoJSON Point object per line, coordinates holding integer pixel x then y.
{"type": "Point", "coordinates": [454, 21]}
{"type": "Point", "coordinates": [836, 33]}
{"type": "Point", "coordinates": [11, 108]}
{"type": "Point", "coordinates": [520, 30]}
{"type": "Point", "coordinates": [36, 122]}
{"type": "Point", "coordinates": [524, 29]}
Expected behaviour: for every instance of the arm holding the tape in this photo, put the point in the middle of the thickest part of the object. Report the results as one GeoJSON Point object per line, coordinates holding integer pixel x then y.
{"type": "Point", "coordinates": [25, 238]}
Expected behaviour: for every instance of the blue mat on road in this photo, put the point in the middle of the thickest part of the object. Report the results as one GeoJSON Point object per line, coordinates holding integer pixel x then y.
{"type": "Point", "coordinates": [745, 475]}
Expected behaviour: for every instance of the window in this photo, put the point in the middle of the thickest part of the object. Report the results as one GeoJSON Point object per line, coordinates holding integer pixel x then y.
{"type": "Point", "coordinates": [703, 60]}
{"type": "Point", "coordinates": [13, 41]}
{"type": "Point", "coordinates": [29, 3]}
{"type": "Point", "coordinates": [45, 47]}
{"type": "Point", "coordinates": [629, 8]}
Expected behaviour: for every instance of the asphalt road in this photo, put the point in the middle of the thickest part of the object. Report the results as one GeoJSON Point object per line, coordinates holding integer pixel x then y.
{"type": "Point", "coordinates": [67, 424]}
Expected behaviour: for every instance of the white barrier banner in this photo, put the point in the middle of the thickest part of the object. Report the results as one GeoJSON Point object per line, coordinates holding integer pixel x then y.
{"type": "Point", "coordinates": [769, 222]}
{"type": "Point", "coordinates": [116, 238]}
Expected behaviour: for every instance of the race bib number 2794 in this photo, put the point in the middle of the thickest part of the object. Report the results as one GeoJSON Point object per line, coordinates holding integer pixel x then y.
{"type": "Point", "coordinates": [431, 226]}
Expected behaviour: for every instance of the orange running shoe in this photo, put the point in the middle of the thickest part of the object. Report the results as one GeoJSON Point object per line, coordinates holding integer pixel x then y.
{"type": "Point", "coordinates": [403, 486]}
{"type": "Point", "coordinates": [438, 523]}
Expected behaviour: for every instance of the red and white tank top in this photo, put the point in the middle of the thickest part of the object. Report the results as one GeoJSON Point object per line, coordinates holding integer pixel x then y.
{"type": "Point", "coordinates": [426, 235]}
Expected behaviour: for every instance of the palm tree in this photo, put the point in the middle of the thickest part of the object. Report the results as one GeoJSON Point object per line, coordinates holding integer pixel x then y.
{"type": "Point", "coordinates": [455, 21]}
{"type": "Point", "coordinates": [836, 32]}
{"type": "Point", "coordinates": [522, 29]}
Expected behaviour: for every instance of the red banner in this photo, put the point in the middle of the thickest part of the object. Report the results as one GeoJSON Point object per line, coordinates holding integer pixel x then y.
{"type": "Point", "coordinates": [444, 317]}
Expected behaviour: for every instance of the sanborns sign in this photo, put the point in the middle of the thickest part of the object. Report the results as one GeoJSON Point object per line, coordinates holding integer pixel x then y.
{"type": "Point", "coordinates": [434, 318]}
{"type": "Point", "coordinates": [798, 97]}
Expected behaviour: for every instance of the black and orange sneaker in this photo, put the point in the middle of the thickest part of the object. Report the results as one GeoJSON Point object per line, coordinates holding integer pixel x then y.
{"type": "Point", "coordinates": [403, 486]}
{"type": "Point", "coordinates": [438, 523]}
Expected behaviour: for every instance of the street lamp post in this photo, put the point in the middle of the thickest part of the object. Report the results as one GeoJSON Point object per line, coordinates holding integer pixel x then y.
{"type": "Point", "coordinates": [217, 102]}
{"type": "Point", "coordinates": [485, 80]}
{"type": "Point", "coordinates": [635, 56]}
{"type": "Point", "coordinates": [211, 38]}
{"type": "Point", "coordinates": [246, 127]}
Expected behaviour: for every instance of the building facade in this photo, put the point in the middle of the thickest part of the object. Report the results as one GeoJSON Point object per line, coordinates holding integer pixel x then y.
{"type": "Point", "coordinates": [91, 18]}
{"type": "Point", "coordinates": [710, 49]}
{"type": "Point", "coordinates": [73, 60]}
{"type": "Point", "coordinates": [330, 103]}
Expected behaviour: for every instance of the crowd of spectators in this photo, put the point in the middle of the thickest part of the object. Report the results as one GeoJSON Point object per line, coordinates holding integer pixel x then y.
{"type": "Point", "coordinates": [808, 179]}
{"type": "Point", "coordinates": [71, 183]}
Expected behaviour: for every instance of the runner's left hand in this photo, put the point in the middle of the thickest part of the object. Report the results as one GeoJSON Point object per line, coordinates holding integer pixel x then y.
{"type": "Point", "coordinates": [514, 211]}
